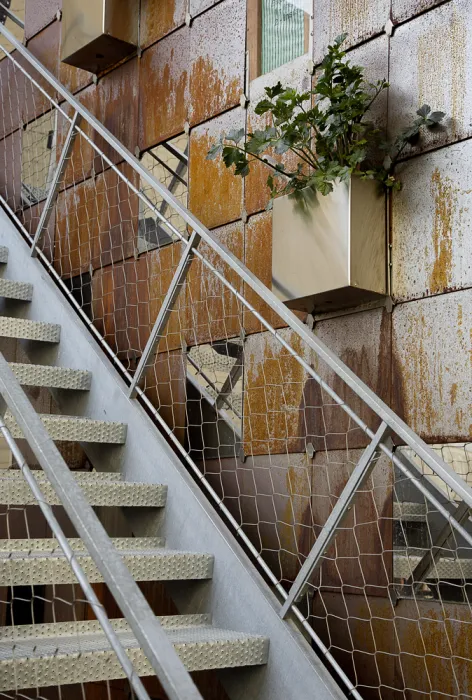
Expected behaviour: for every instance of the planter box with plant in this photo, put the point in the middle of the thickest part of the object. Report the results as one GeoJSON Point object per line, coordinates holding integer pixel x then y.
{"type": "Point", "coordinates": [329, 233]}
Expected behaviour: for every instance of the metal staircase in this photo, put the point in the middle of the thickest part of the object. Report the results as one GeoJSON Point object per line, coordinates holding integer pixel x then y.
{"type": "Point", "coordinates": [221, 402]}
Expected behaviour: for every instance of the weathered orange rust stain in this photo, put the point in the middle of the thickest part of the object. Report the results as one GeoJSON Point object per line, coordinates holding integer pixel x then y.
{"type": "Point", "coordinates": [453, 393]}
{"type": "Point", "coordinates": [76, 228]}
{"type": "Point", "coordinates": [274, 383]}
{"type": "Point", "coordinates": [443, 194]}
{"type": "Point", "coordinates": [211, 92]}
{"type": "Point", "coordinates": [158, 18]}
{"type": "Point", "coordinates": [163, 89]}
{"type": "Point", "coordinates": [215, 195]}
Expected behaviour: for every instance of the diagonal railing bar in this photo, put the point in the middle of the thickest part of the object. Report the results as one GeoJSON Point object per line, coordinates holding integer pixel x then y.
{"type": "Point", "coordinates": [79, 573]}
{"type": "Point", "coordinates": [396, 424]}
{"type": "Point", "coordinates": [56, 182]}
{"type": "Point", "coordinates": [340, 511]}
{"type": "Point", "coordinates": [11, 15]}
{"type": "Point", "coordinates": [160, 652]}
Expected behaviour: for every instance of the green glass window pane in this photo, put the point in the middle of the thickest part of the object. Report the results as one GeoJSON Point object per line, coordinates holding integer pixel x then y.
{"type": "Point", "coordinates": [283, 32]}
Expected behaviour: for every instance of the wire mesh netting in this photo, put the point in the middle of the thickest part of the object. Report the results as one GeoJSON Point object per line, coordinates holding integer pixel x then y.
{"type": "Point", "coordinates": [268, 427]}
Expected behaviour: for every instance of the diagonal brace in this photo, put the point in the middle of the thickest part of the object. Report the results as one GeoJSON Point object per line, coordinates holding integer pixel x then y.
{"type": "Point", "coordinates": [357, 479]}
{"type": "Point", "coordinates": [165, 311]}
{"type": "Point", "coordinates": [56, 183]}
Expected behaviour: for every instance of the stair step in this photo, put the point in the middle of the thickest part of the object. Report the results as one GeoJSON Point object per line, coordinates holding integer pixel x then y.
{"type": "Point", "coordinates": [29, 567]}
{"type": "Point", "coordinates": [446, 568]}
{"type": "Point", "coordinates": [51, 545]}
{"type": "Point", "coordinates": [410, 512]}
{"type": "Point", "coordinates": [51, 377]}
{"type": "Point", "coordinates": [25, 329]}
{"type": "Point", "coordinates": [9, 289]}
{"type": "Point", "coordinates": [3, 254]}
{"type": "Point", "coordinates": [100, 489]}
{"type": "Point", "coordinates": [79, 652]}
{"type": "Point", "coordinates": [75, 429]}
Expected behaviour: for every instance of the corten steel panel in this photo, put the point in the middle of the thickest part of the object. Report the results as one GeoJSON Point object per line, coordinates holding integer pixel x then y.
{"type": "Point", "coordinates": [10, 169]}
{"type": "Point", "coordinates": [118, 210]}
{"type": "Point", "coordinates": [431, 222]}
{"type": "Point", "coordinates": [296, 74]}
{"type": "Point", "coordinates": [363, 341]}
{"type": "Point", "coordinates": [163, 83]}
{"type": "Point", "coordinates": [432, 378]}
{"type": "Point", "coordinates": [38, 14]}
{"type": "Point", "coordinates": [160, 266]}
{"type": "Point", "coordinates": [360, 561]}
{"type": "Point", "coordinates": [196, 7]}
{"type": "Point", "coordinates": [216, 312]}
{"type": "Point", "coordinates": [72, 78]}
{"type": "Point", "coordinates": [437, 48]}
{"type": "Point", "coordinates": [158, 18]}
{"type": "Point", "coordinates": [274, 398]}
{"type": "Point", "coordinates": [118, 104]}
{"type": "Point", "coordinates": [83, 155]}
{"type": "Point", "coordinates": [418, 645]}
{"type": "Point", "coordinates": [217, 59]}
{"type": "Point", "coordinates": [165, 384]}
{"type": "Point", "coordinates": [76, 228]}
{"type": "Point", "coordinates": [258, 258]}
{"type": "Point", "coordinates": [360, 20]}
{"type": "Point", "coordinates": [45, 46]}
{"type": "Point", "coordinates": [215, 194]}
{"type": "Point", "coordinates": [406, 9]}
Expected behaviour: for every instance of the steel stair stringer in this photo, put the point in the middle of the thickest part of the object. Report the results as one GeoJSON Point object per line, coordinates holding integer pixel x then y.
{"type": "Point", "coordinates": [237, 597]}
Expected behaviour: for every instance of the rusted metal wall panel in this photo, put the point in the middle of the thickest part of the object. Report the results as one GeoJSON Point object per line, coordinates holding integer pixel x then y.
{"type": "Point", "coordinates": [214, 312]}
{"type": "Point", "coordinates": [215, 195]}
{"type": "Point", "coordinates": [217, 59]}
{"type": "Point", "coordinates": [360, 19]}
{"type": "Point", "coordinates": [83, 155]}
{"type": "Point", "coordinates": [77, 222]}
{"type": "Point", "coordinates": [431, 221]}
{"type": "Point", "coordinates": [406, 9]}
{"type": "Point", "coordinates": [274, 399]}
{"type": "Point", "coordinates": [30, 219]}
{"type": "Point", "coordinates": [432, 376]}
{"type": "Point", "coordinates": [117, 210]}
{"type": "Point", "coordinates": [38, 14]}
{"type": "Point", "coordinates": [166, 389]}
{"type": "Point", "coordinates": [360, 561]}
{"type": "Point", "coordinates": [73, 78]}
{"type": "Point", "coordinates": [296, 74]}
{"type": "Point", "coordinates": [158, 18]}
{"type": "Point", "coordinates": [12, 93]}
{"type": "Point", "coordinates": [164, 89]}
{"type": "Point", "coordinates": [373, 57]}
{"type": "Point", "coordinates": [45, 46]}
{"type": "Point", "coordinates": [437, 48]}
{"type": "Point", "coordinates": [363, 341]}
{"type": "Point", "coordinates": [10, 169]}
{"type": "Point", "coordinates": [403, 649]}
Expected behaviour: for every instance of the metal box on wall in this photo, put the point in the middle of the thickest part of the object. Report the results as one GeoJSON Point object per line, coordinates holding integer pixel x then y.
{"type": "Point", "coordinates": [330, 254]}
{"type": "Point", "coordinates": [98, 33]}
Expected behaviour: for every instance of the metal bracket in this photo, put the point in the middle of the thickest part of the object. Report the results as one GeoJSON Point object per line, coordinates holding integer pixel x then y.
{"type": "Point", "coordinates": [56, 183]}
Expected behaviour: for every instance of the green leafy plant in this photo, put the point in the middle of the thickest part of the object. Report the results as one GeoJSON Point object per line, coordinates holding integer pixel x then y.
{"type": "Point", "coordinates": [327, 129]}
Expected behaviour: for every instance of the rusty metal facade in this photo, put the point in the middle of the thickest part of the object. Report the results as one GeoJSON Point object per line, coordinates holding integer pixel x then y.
{"type": "Point", "coordinates": [416, 357]}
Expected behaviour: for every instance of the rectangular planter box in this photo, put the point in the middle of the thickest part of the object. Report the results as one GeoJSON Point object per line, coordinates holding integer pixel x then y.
{"type": "Point", "coordinates": [333, 254]}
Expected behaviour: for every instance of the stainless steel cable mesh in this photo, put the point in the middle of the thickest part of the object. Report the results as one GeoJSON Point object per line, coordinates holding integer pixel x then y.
{"type": "Point", "coordinates": [272, 432]}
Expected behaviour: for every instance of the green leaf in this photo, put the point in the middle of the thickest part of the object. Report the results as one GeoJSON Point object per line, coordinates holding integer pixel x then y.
{"type": "Point", "coordinates": [214, 151]}
{"type": "Point", "coordinates": [424, 110]}
{"type": "Point", "coordinates": [436, 117]}
{"type": "Point", "coordinates": [235, 135]}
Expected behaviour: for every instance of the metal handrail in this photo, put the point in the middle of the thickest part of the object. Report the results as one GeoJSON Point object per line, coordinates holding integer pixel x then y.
{"type": "Point", "coordinates": [159, 651]}
{"type": "Point", "coordinates": [394, 422]}
{"type": "Point", "coordinates": [11, 15]}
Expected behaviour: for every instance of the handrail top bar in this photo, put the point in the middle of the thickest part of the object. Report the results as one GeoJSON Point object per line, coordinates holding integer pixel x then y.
{"type": "Point", "coordinates": [11, 15]}
{"type": "Point", "coordinates": [396, 424]}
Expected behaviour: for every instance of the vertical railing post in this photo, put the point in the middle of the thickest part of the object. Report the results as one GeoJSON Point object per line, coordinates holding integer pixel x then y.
{"type": "Point", "coordinates": [165, 311]}
{"type": "Point", "coordinates": [358, 477]}
{"type": "Point", "coordinates": [56, 182]}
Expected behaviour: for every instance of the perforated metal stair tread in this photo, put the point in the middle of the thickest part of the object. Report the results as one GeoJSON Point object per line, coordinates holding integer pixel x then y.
{"type": "Point", "coordinates": [51, 377]}
{"type": "Point", "coordinates": [25, 329]}
{"type": "Point", "coordinates": [35, 567]}
{"type": "Point", "coordinates": [100, 489]}
{"type": "Point", "coordinates": [79, 652]}
{"type": "Point", "coordinates": [446, 568]}
{"type": "Point", "coordinates": [75, 429]}
{"type": "Point", "coordinates": [3, 254]}
{"type": "Point", "coordinates": [10, 289]}
{"type": "Point", "coordinates": [49, 544]}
